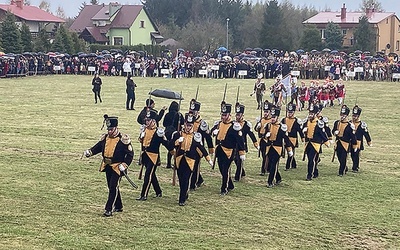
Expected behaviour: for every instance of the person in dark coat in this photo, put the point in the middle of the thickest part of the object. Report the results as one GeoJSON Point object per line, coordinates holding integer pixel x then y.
{"type": "Point", "coordinates": [117, 152]}
{"type": "Point", "coordinates": [170, 124]}
{"type": "Point", "coordinates": [130, 92]}
{"type": "Point", "coordinates": [96, 82]}
{"type": "Point", "coordinates": [150, 106]}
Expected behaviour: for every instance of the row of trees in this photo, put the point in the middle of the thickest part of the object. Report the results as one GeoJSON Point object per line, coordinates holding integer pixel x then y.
{"type": "Point", "coordinates": [14, 39]}
{"type": "Point", "coordinates": [204, 24]}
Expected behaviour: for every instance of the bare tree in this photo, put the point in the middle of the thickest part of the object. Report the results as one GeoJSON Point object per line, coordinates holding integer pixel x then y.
{"type": "Point", "coordinates": [372, 5]}
{"type": "Point", "coordinates": [60, 12]}
{"type": "Point", "coordinates": [44, 5]}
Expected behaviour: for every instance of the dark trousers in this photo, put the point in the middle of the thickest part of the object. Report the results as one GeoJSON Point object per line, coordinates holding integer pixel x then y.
{"type": "Point", "coordinates": [291, 161]}
{"type": "Point", "coordinates": [355, 157]}
{"type": "Point", "coordinates": [313, 157]}
{"type": "Point", "coordinates": [114, 197]}
{"type": "Point", "coordinates": [130, 100]}
{"type": "Point", "coordinates": [239, 167]}
{"type": "Point", "coordinates": [196, 179]}
{"type": "Point", "coordinates": [97, 94]}
{"type": "Point", "coordinates": [184, 175]}
{"type": "Point", "coordinates": [224, 165]}
{"type": "Point", "coordinates": [150, 177]}
{"type": "Point", "coordinates": [264, 164]}
{"type": "Point", "coordinates": [273, 158]}
{"type": "Point", "coordinates": [341, 153]}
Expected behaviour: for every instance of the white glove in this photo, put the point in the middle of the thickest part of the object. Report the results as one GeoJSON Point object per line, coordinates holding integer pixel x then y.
{"type": "Point", "coordinates": [87, 153]}
{"type": "Point", "coordinates": [180, 139]}
{"type": "Point", "coordinates": [210, 162]}
{"type": "Point", "coordinates": [305, 129]}
{"type": "Point", "coordinates": [258, 148]}
{"type": "Point", "coordinates": [258, 126]}
{"type": "Point", "coordinates": [331, 142]}
{"type": "Point", "coordinates": [142, 134]}
{"type": "Point", "coordinates": [355, 150]}
{"type": "Point", "coordinates": [215, 132]}
{"type": "Point", "coordinates": [121, 167]}
{"type": "Point", "coordinates": [336, 132]}
{"type": "Point", "coordinates": [370, 145]}
{"type": "Point", "coordinates": [142, 128]}
{"type": "Point", "coordinates": [268, 134]}
{"type": "Point", "coordinates": [242, 157]}
{"type": "Point", "coordinates": [290, 153]}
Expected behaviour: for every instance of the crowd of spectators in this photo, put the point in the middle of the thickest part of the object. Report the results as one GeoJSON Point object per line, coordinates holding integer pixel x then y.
{"type": "Point", "coordinates": [219, 64]}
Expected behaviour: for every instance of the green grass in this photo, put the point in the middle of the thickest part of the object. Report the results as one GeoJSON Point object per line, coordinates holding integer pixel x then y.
{"type": "Point", "coordinates": [52, 199]}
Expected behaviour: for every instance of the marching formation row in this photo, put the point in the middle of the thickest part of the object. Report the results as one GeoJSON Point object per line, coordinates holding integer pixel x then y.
{"type": "Point", "coordinates": [191, 138]}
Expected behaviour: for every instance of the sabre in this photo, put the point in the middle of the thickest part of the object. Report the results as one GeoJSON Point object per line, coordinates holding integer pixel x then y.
{"type": "Point", "coordinates": [129, 180]}
{"type": "Point", "coordinates": [334, 151]}
{"type": "Point", "coordinates": [237, 95]}
{"type": "Point", "coordinates": [223, 99]}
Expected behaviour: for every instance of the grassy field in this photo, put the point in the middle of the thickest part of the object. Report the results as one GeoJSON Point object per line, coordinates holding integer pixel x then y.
{"type": "Point", "coordinates": [52, 199]}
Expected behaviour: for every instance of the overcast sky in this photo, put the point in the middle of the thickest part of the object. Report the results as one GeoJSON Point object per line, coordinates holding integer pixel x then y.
{"type": "Point", "coordinates": [71, 7]}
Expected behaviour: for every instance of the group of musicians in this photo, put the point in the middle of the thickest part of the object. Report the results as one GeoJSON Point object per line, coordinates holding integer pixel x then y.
{"type": "Point", "coordinates": [193, 141]}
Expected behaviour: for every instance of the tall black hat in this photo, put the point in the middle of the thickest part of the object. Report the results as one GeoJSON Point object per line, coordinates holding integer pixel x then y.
{"type": "Point", "coordinates": [239, 108]}
{"type": "Point", "coordinates": [194, 105]}
{"type": "Point", "coordinates": [149, 102]}
{"type": "Point", "coordinates": [313, 109]}
{"type": "Point", "coordinates": [110, 121]}
{"type": "Point", "coordinates": [344, 110]}
{"type": "Point", "coordinates": [357, 110]}
{"type": "Point", "coordinates": [226, 108]}
{"type": "Point", "coordinates": [291, 107]}
{"type": "Point", "coordinates": [275, 112]}
{"type": "Point", "coordinates": [189, 118]}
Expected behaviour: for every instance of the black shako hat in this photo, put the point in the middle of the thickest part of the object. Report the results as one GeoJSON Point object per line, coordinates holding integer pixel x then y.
{"type": "Point", "coordinates": [110, 121]}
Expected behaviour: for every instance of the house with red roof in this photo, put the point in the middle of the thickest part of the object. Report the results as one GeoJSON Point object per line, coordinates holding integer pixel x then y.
{"type": "Point", "coordinates": [116, 24]}
{"type": "Point", "coordinates": [385, 24]}
{"type": "Point", "coordinates": [36, 19]}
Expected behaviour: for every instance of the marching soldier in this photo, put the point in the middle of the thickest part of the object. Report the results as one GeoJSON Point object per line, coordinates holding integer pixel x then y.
{"type": "Point", "coordinates": [228, 138]}
{"type": "Point", "coordinates": [315, 136]}
{"type": "Point", "coordinates": [199, 126]}
{"type": "Point", "coordinates": [276, 136]}
{"type": "Point", "coordinates": [150, 106]}
{"type": "Point", "coordinates": [246, 130]}
{"type": "Point", "coordinates": [189, 147]}
{"type": "Point", "coordinates": [260, 128]}
{"type": "Point", "coordinates": [361, 130]}
{"type": "Point", "coordinates": [344, 132]}
{"type": "Point", "coordinates": [293, 129]}
{"type": "Point", "coordinates": [151, 137]}
{"type": "Point", "coordinates": [117, 152]}
{"type": "Point", "coordinates": [259, 90]}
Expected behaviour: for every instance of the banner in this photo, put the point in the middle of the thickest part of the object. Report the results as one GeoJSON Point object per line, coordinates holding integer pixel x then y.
{"type": "Point", "coordinates": [286, 82]}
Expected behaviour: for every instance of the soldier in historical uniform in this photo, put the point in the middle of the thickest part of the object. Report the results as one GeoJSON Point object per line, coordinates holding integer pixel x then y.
{"type": "Point", "coordinates": [228, 138]}
{"type": "Point", "coordinates": [294, 130]}
{"type": "Point", "coordinates": [260, 127]}
{"type": "Point", "coordinates": [340, 91]}
{"type": "Point", "coordinates": [151, 137]}
{"type": "Point", "coordinates": [189, 149]}
{"type": "Point", "coordinates": [344, 132]}
{"type": "Point", "coordinates": [259, 90]}
{"type": "Point", "coordinates": [246, 130]}
{"type": "Point", "coordinates": [361, 130]}
{"type": "Point", "coordinates": [303, 94]}
{"type": "Point", "coordinates": [315, 136]}
{"type": "Point", "coordinates": [199, 126]}
{"type": "Point", "coordinates": [276, 139]}
{"type": "Point", "coordinates": [117, 152]}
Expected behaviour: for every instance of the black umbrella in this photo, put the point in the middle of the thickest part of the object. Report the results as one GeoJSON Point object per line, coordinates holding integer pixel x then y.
{"type": "Point", "coordinates": [166, 93]}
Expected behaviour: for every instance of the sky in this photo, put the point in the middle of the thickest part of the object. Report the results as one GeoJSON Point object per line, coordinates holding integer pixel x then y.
{"type": "Point", "coordinates": [71, 7]}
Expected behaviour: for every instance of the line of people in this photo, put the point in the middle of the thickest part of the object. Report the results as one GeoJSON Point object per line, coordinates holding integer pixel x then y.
{"type": "Point", "coordinates": [188, 138]}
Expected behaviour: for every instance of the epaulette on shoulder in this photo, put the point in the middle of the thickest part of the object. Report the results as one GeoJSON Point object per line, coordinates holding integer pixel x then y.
{"type": "Point", "coordinates": [237, 126]}
{"type": "Point", "coordinates": [103, 137]}
{"type": "Point", "coordinates": [363, 125]}
{"type": "Point", "coordinates": [249, 124]}
{"type": "Point", "coordinates": [197, 137]}
{"type": "Point", "coordinates": [321, 124]}
{"type": "Point", "coordinates": [125, 139]}
{"type": "Point", "coordinates": [160, 132]}
{"type": "Point", "coordinates": [203, 125]}
{"type": "Point", "coordinates": [284, 127]}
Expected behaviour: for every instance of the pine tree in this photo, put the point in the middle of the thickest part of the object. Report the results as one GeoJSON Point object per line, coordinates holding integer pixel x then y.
{"type": "Point", "coordinates": [26, 38]}
{"type": "Point", "coordinates": [67, 40]}
{"type": "Point", "coordinates": [58, 44]}
{"type": "Point", "coordinates": [94, 2]}
{"type": "Point", "coordinates": [79, 44]}
{"type": "Point", "coordinates": [311, 38]}
{"type": "Point", "coordinates": [271, 33]}
{"type": "Point", "coordinates": [333, 36]}
{"type": "Point", "coordinates": [10, 35]}
{"type": "Point", "coordinates": [42, 41]}
{"type": "Point", "coordinates": [364, 35]}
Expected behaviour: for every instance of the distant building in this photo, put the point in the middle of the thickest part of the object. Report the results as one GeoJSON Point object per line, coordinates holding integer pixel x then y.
{"type": "Point", "coordinates": [116, 24]}
{"type": "Point", "coordinates": [36, 19]}
{"type": "Point", "coordinates": [385, 24]}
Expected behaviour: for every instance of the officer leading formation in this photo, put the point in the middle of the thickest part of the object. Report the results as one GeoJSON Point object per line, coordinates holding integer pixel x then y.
{"type": "Point", "coordinates": [189, 139]}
